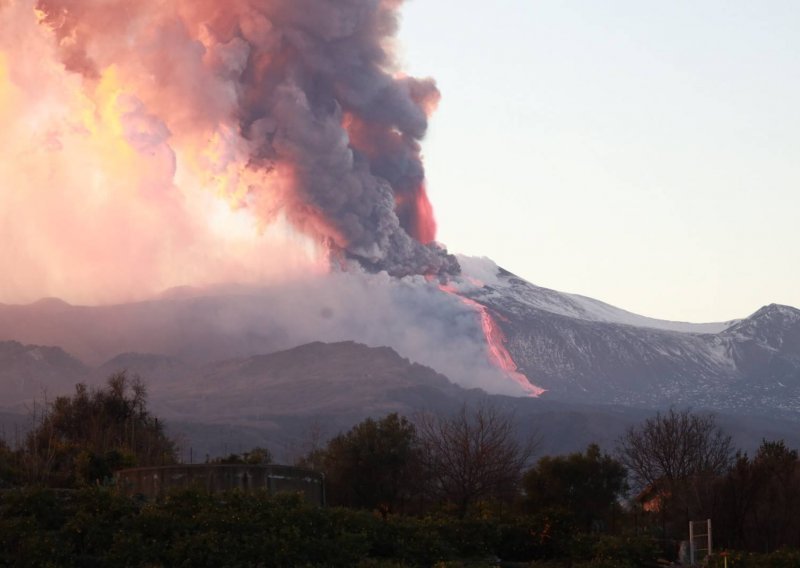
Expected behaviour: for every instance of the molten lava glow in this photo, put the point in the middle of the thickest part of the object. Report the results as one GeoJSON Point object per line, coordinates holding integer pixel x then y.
{"type": "Point", "coordinates": [425, 222]}
{"type": "Point", "coordinates": [416, 215]}
{"type": "Point", "coordinates": [495, 341]}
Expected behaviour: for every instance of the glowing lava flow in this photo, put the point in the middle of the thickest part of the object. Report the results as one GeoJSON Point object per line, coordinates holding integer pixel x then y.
{"type": "Point", "coordinates": [495, 341]}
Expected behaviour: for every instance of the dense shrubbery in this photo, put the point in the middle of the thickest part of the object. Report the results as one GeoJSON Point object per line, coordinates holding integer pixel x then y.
{"type": "Point", "coordinates": [375, 466]}
{"type": "Point", "coordinates": [9, 473]}
{"type": "Point", "coordinates": [452, 463]}
{"type": "Point", "coordinates": [689, 470]}
{"type": "Point", "coordinates": [84, 438]}
{"type": "Point", "coordinates": [453, 490]}
{"type": "Point", "coordinates": [95, 527]}
{"type": "Point", "coordinates": [783, 558]}
{"type": "Point", "coordinates": [588, 486]}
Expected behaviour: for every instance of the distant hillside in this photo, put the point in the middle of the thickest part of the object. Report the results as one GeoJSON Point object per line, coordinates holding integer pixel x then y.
{"type": "Point", "coordinates": [578, 349]}
{"type": "Point", "coordinates": [28, 371]}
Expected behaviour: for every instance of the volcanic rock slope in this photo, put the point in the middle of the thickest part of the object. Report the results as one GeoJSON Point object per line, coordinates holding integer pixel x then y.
{"type": "Point", "coordinates": [583, 350]}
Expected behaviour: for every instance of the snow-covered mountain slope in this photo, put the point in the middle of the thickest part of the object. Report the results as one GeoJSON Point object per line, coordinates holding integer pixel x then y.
{"type": "Point", "coordinates": [580, 349]}
{"type": "Point", "coordinates": [502, 286]}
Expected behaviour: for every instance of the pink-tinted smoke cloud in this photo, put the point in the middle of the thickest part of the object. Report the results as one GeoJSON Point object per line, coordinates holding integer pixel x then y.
{"type": "Point", "coordinates": [148, 144]}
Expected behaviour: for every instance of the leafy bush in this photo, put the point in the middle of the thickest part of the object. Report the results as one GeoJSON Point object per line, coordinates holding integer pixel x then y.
{"type": "Point", "coordinates": [537, 537]}
{"type": "Point", "coordinates": [97, 527]}
{"type": "Point", "coordinates": [783, 558]}
{"type": "Point", "coordinates": [624, 552]}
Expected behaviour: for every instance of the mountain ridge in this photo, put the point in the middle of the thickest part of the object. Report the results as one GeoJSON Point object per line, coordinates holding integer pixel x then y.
{"type": "Point", "coordinates": [288, 399]}
{"type": "Point", "coordinates": [751, 364]}
{"type": "Point", "coordinates": [579, 349]}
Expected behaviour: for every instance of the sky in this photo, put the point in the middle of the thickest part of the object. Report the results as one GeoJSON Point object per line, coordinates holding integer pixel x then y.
{"type": "Point", "coordinates": [642, 153]}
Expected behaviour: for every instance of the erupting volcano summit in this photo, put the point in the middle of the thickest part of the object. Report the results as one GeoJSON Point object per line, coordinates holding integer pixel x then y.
{"type": "Point", "coordinates": [291, 110]}
{"type": "Point", "coordinates": [154, 144]}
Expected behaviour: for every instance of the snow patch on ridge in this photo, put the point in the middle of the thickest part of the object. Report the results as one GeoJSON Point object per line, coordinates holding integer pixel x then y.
{"type": "Point", "coordinates": [499, 283]}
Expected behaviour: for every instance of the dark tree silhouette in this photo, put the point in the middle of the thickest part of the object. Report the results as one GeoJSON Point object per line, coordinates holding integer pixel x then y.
{"type": "Point", "coordinates": [677, 456]}
{"type": "Point", "coordinates": [675, 446]}
{"type": "Point", "coordinates": [83, 438]}
{"type": "Point", "coordinates": [586, 485]}
{"type": "Point", "coordinates": [472, 455]}
{"type": "Point", "coordinates": [772, 515]}
{"type": "Point", "coordinates": [8, 460]}
{"type": "Point", "coordinates": [375, 465]}
{"type": "Point", "coordinates": [256, 456]}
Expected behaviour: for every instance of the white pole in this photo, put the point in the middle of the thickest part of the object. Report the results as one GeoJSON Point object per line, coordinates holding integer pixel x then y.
{"type": "Point", "coordinates": [691, 543]}
{"type": "Point", "coordinates": [709, 536]}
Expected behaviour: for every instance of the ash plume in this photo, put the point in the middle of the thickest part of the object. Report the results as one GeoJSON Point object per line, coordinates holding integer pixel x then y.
{"type": "Point", "coordinates": [152, 144]}
{"type": "Point", "coordinates": [305, 96]}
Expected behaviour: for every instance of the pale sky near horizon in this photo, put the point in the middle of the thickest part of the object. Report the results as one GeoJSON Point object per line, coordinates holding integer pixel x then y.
{"type": "Point", "coordinates": [642, 153]}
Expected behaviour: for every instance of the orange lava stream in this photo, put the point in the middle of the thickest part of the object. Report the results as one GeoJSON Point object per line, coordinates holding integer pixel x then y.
{"type": "Point", "coordinates": [425, 225]}
{"type": "Point", "coordinates": [495, 341]}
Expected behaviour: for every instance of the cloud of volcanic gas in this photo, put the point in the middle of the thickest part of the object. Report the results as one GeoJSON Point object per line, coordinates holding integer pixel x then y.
{"type": "Point", "coordinates": [164, 143]}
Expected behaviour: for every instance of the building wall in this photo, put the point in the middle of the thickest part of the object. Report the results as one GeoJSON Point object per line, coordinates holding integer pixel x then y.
{"type": "Point", "coordinates": [153, 482]}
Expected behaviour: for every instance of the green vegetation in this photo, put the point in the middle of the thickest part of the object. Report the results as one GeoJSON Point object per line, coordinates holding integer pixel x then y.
{"type": "Point", "coordinates": [83, 439]}
{"type": "Point", "coordinates": [256, 456]}
{"type": "Point", "coordinates": [782, 558]}
{"type": "Point", "coordinates": [587, 486]}
{"type": "Point", "coordinates": [441, 491]}
{"type": "Point", "coordinates": [756, 502]}
{"type": "Point", "coordinates": [375, 466]}
{"type": "Point", "coordinates": [95, 527]}
{"type": "Point", "coordinates": [9, 474]}
{"type": "Point", "coordinates": [688, 467]}
{"type": "Point", "coordinates": [473, 457]}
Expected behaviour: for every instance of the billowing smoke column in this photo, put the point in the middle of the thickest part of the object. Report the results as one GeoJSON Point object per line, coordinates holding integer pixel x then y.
{"type": "Point", "coordinates": [148, 144]}
{"type": "Point", "coordinates": [303, 94]}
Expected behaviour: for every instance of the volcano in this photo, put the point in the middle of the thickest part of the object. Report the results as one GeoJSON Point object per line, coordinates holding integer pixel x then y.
{"type": "Point", "coordinates": [568, 348]}
{"type": "Point", "coordinates": [580, 349]}
{"type": "Point", "coordinates": [262, 161]}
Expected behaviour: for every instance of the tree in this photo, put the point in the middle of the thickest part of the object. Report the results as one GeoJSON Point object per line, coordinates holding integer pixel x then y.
{"type": "Point", "coordinates": [677, 457]}
{"type": "Point", "coordinates": [86, 437]}
{"type": "Point", "coordinates": [674, 447]}
{"type": "Point", "coordinates": [777, 469]}
{"type": "Point", "coordinates": [472, 455]}
{"type": "Point", "coordinates": [757, 501]}
{"type": "Point", "coordinates": [586, 485]}
{"type": "Point", "coordinates": [256, 456]}
{"type": "Point", "coordinates": [8, 460]}
{"type": "Point", "coordinates": [375, 465]}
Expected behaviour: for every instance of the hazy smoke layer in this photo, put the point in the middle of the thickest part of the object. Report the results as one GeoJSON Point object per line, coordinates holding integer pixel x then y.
{"type": "Point", "coordinates": [412, 315]}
